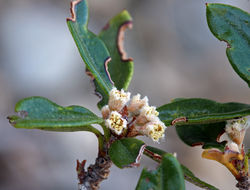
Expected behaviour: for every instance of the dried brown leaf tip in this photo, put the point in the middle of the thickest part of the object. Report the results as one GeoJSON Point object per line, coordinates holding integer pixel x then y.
{"type": "Point", "coordinates": [72, 10]}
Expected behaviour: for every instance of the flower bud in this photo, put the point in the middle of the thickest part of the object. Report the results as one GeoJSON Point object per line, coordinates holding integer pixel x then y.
{"type": "Point", "coordinates": [105, 112]}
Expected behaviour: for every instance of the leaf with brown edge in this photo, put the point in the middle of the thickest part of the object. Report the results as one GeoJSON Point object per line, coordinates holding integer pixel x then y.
{"type": "Point", "coordinates": [92, 49]}
{"type": "Point", "coordinates": [126, 152]}
{"type": "Point", "coordinates": [206, 135]}
{"type": "Point", "coordinates": [120, 67]}
{"type": "Point", "coordinates": [189, 111]}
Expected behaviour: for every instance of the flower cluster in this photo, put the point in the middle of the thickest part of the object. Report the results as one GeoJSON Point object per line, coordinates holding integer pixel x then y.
{"type": "Point", "coordinates": [132, 117]}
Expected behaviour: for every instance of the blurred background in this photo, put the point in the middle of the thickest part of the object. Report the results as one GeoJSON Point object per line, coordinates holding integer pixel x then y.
{"type": "Point", "coordinates": [175, 55]}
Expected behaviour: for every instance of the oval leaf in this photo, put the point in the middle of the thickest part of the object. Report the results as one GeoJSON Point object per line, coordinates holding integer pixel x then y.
{"type": "Point", "coordinates": [188, 175]}
{"type": "Point", "coordinates": [92, 49]}
{"type": "Point", "coordinates": [206, 135]}
{"type": "Point", "coordinates": [232, 25]}
{"type": "Point", "coordinates": [113, 36]}
{"type": "Point", "coordinates": [148, 180]}
{"type": "Point", "coordinates": [168, 176]}
{"type": "Point", "coordinates": [126, 152]}
{"type": "Point", "coordinates": [200, 111]}
{"type": "Point", "coordinates": [41, 113]}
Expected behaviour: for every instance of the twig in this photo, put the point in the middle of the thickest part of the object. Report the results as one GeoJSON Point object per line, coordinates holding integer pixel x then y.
{"type": "Point", "coordinates": [243, 183]}
{"type": "Point", "coordinates": [91, 178]}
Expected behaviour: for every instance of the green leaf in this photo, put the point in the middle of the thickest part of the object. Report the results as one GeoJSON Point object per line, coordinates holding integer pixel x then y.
{"type": "Point", "coordinates": [188, 175]}
{"type": "Point", "coordinates": [168, 176]}
{"type": "Point", "coordinates": [92, 49]}
{"type": "Point", "coordinates": [148, 180]}
{"type": "Point", "coordinates": [120, 67]}
{"type": "Point", "coordinates": [200, 111]}
{"type": "Point", "coordinates": [126, 152]}
{"type": "Point", "coordinates": [206, 135]}
{"type": "Point", "coordinates": [232, 25]}
{"type": "Point", "coordinates": [41, 113]}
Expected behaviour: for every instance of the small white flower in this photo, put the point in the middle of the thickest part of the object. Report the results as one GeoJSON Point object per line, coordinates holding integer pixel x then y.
{"type": "Point", "coordinates": [137, 103]}
{"type": "Point", "coordinates": [236, 129]}
{"type": "Point", "coordinates": [118, 99]}
{"type": "Point", "coordinates": [116, 123]}
{"type": "Point", "coordinates": [155, 130]}
{"type": "Point", "coordinates": [105, 112]}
